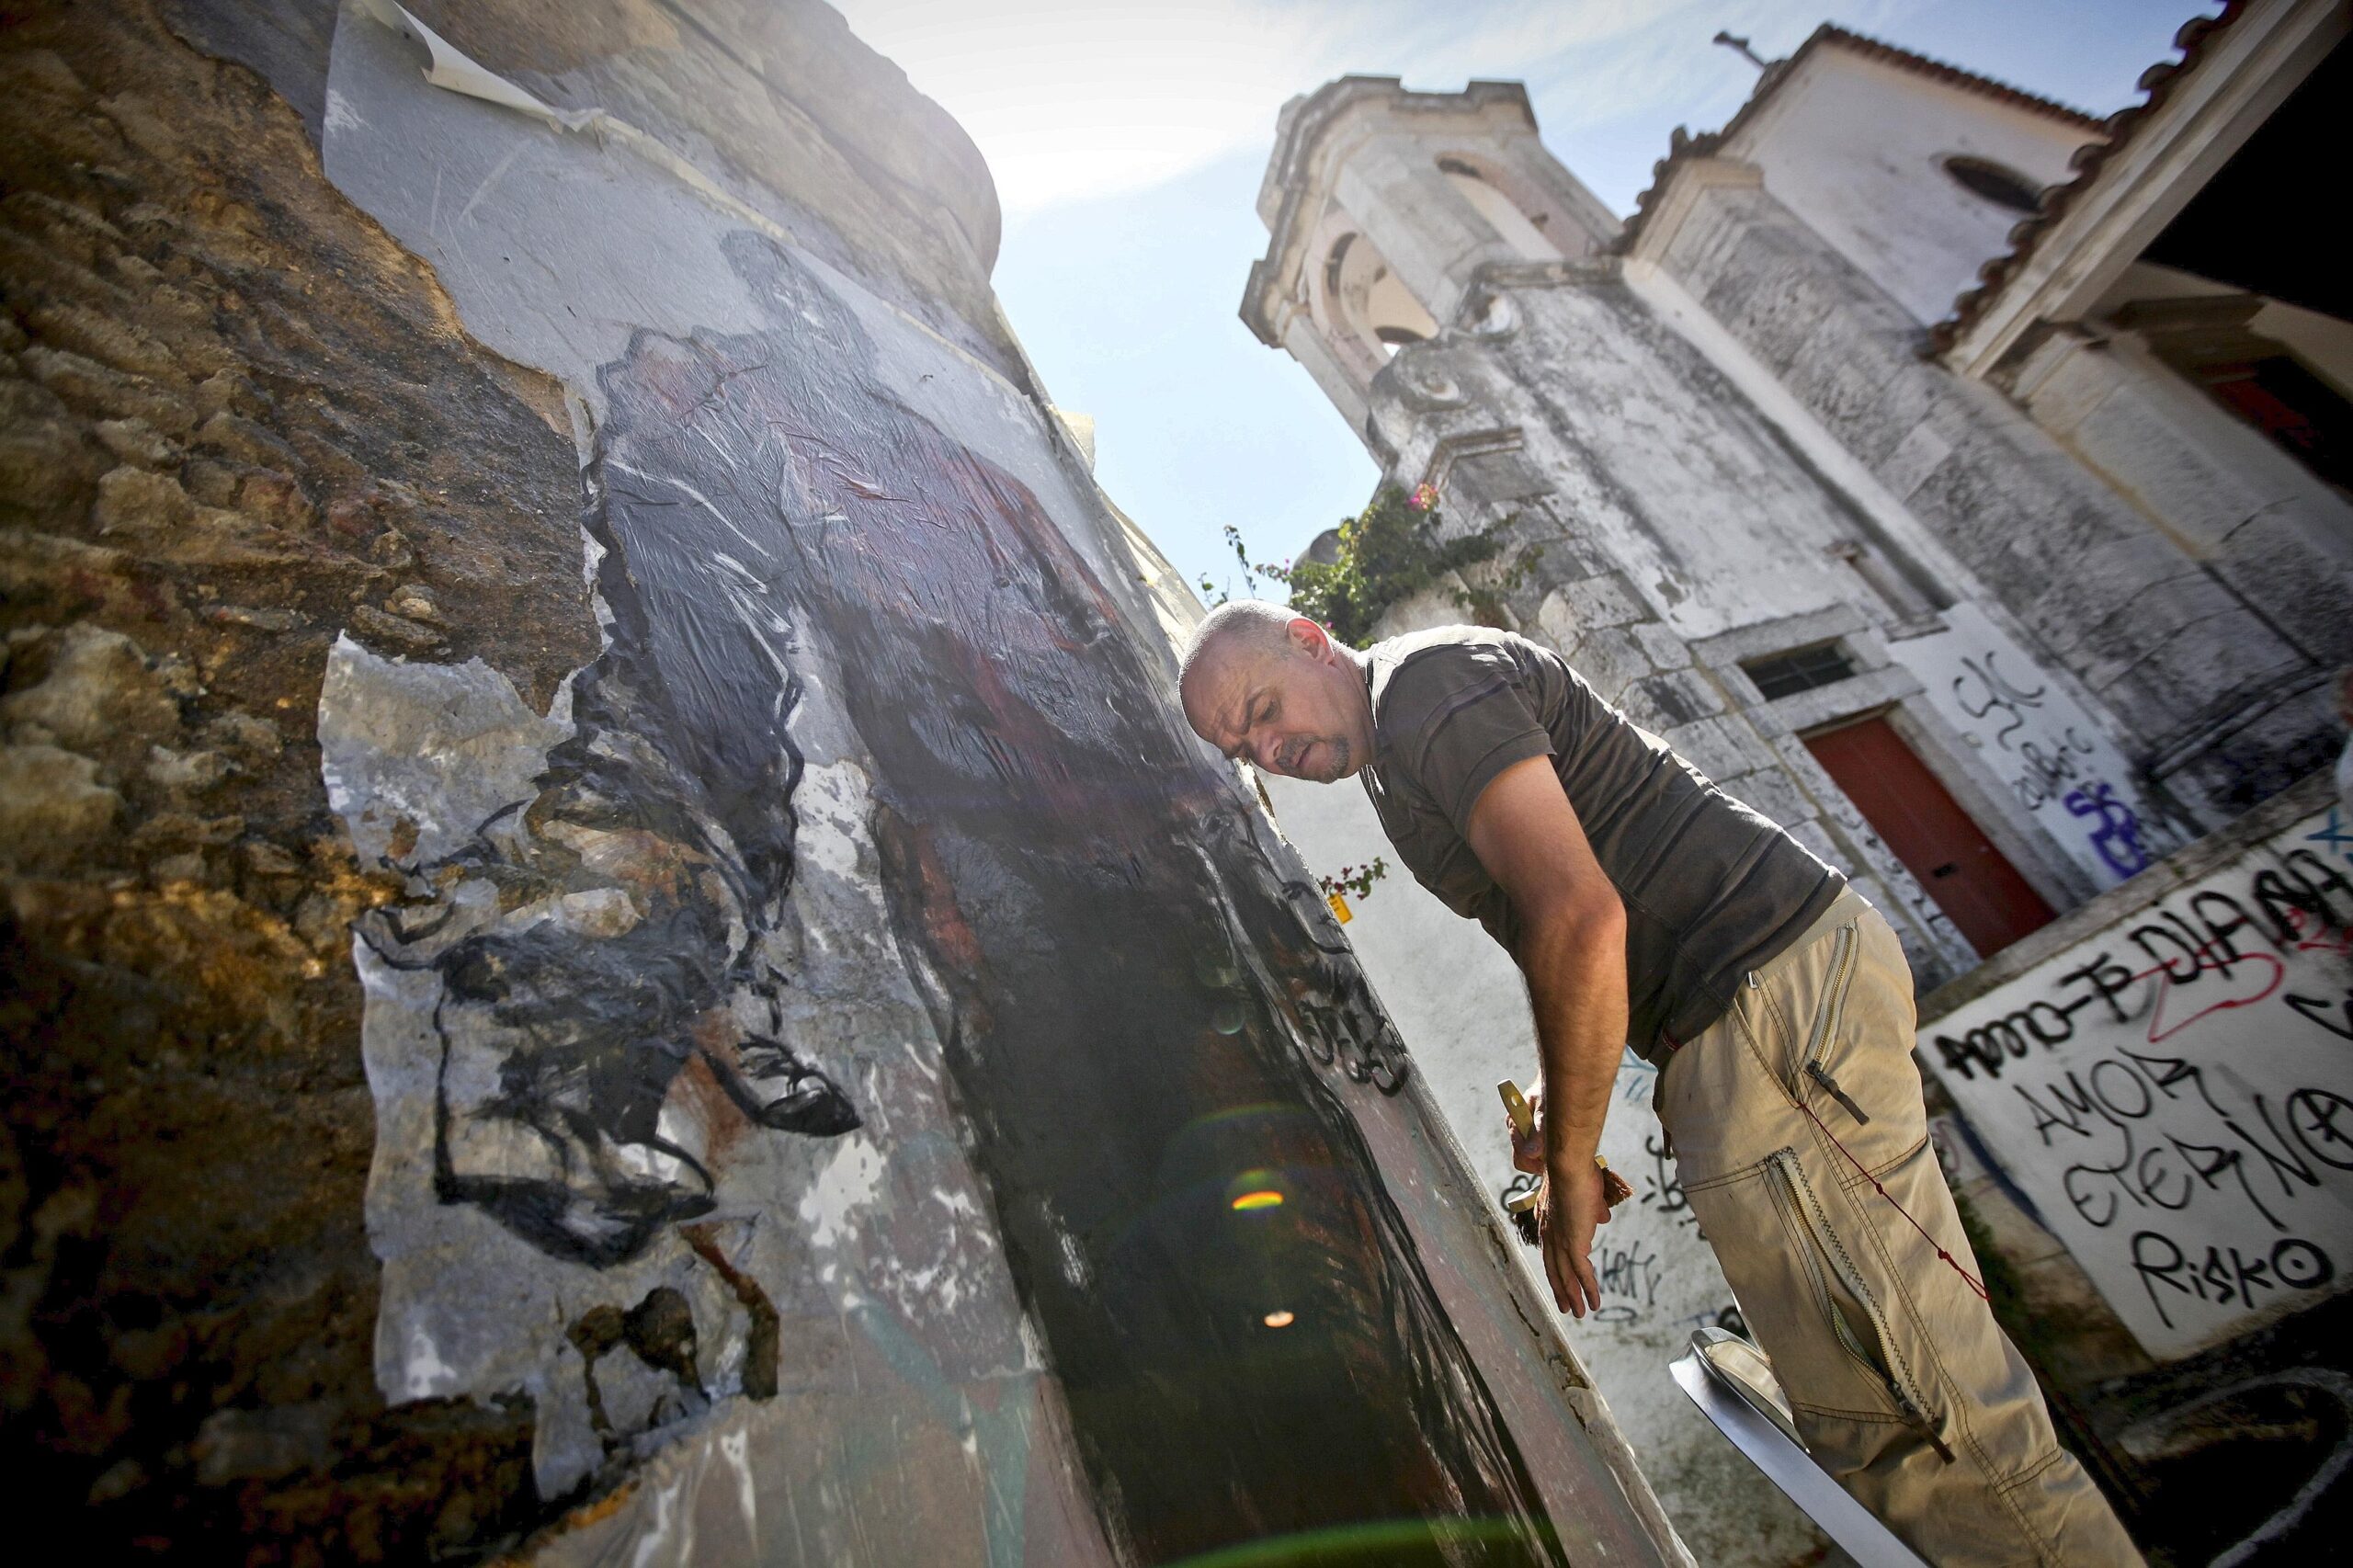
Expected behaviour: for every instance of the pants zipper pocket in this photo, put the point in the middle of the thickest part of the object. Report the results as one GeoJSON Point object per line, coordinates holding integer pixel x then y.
{"type": "Point", "coordinates": [1827, 1257]}
{"type": "Point", "coordinates": [1826, 1020]}
{"type": "Point", "coordinates": [1821, 1074]}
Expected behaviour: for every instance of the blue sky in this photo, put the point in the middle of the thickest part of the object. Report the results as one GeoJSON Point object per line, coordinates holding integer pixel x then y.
{"type": "Point", "coordinates": [1127, 138]}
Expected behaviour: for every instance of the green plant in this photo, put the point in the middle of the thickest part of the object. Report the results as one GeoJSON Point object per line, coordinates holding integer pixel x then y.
{"type": "Point", "coordinates": [1356, 880]}
{"type": "Point", "coordinates": [1387, 553]}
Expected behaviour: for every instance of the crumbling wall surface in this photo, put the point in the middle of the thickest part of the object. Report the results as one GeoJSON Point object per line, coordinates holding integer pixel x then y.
{"type": "Point", "coordinates": [234, 416]}
{"type": "Point", "coordinates": [782, 105]}
{"type": "Point", "coordinates": [2221, 703]}
{"type": "Point", "coordinates": [847, 1077]}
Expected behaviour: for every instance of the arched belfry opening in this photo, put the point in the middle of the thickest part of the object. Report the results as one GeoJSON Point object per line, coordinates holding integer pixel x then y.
{"type": "Point", "coordinates": [1364, 308]}
{"type": "Point", "coordinates": [1525, 228]}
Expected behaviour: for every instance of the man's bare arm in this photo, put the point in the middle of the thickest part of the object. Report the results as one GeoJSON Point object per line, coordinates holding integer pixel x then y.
{"type": "Point", "coordinates": [1573, 950]}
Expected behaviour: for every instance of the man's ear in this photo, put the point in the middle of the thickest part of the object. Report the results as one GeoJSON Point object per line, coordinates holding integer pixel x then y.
{"type": "Point", "coordinates": [1309, 639]}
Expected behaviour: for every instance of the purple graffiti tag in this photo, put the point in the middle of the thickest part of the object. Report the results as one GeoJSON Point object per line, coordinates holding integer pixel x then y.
{"type": "Point", "coordinates": [2117, 835]}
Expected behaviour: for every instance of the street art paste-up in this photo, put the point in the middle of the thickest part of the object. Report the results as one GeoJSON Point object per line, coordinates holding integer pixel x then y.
{"type": "Point", "coordinates": [858, 1019]}
{"type": "Point", "coordinates": [2174, 1092]}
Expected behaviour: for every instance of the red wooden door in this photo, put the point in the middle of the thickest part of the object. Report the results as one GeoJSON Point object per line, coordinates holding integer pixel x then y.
{"type": "Point", "coordinates": [1979, 890]}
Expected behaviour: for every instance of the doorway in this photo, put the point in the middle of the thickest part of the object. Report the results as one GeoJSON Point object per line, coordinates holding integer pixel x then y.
{"type": "Point", "coordinates": [1975, 883]}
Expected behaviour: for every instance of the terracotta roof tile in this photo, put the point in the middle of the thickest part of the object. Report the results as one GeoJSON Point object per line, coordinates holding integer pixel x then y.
{"type": "Point", "coordinates": [2156, 85]}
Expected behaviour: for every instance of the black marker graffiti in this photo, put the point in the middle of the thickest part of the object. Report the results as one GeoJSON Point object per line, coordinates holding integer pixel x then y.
{"type": "Point", "coordinates": [1631, 1272]}
{"type": "Point", "coordinates": [2207, 953]}
{"type": "Point", "coordinates": [2048, 771]}
{"type": "Point", "coordinates": [2227, 1277]}
{"type": "Point", "coordinates": [2149, 1107]}
{"type": "Point", "coordinates": [2326, 1011]}
{"type": "Point", "coordinates": [1662, 1189]}
{"type": "Point", "coordinates": [1994, 691]}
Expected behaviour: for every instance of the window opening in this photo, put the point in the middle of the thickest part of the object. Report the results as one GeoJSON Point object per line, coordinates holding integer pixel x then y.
{"type": "Point", "coordinates": [1367, 309]}
{"type": "Point", "coordinates": [1994, 182]}
{"type": "Point", "coordinates": [1801, 669]}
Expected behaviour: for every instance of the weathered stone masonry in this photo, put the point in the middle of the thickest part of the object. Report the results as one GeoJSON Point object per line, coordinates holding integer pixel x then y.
{"type": "Point", "coordinates": [237, 417]}
{"type": "Point", "coordinates": [2215, 667]}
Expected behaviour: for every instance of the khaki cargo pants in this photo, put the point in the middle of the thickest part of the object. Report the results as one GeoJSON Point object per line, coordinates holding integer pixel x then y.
{"type": "Point", "coordinates": [1904, 1388]}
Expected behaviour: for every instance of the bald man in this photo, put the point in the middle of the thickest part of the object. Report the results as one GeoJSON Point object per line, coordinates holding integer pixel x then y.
{"type": "Point", "coordinates": [1647, 908]}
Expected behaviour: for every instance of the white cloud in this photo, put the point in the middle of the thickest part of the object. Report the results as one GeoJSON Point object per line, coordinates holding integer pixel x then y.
{"type": "Point", "coordinates": [1069, 100]}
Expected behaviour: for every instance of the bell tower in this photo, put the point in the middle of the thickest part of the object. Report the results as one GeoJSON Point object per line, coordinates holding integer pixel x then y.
{"type": "Point", "coordinates": [1390, 208]}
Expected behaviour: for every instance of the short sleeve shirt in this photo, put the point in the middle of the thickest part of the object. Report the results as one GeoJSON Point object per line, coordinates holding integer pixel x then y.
{"type": "Point", "coordinates": [1712, 889]}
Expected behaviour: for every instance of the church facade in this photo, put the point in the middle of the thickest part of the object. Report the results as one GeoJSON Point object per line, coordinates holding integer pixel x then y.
{"type": "Point", "coordinates": [1958, 478]}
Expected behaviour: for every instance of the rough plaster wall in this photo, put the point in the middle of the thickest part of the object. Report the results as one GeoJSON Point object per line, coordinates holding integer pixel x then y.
{"type": "Point", "coordinates": [2265, 524]}
{"type": "Point", "coordinates": [2200, 682]}
{"type": "Point", "coordinates": [1854, 146]}
{"type": "Point", "coordinates": [1711, 518]}
{"type": "Point", "coordinates": [2054, 762]}
{"type": "Point", "coordinates": [780, 104]}
{"type": "Point", "coordinates": [216, 454]}
{"type": "Point", "coordinates": [1457, 997]}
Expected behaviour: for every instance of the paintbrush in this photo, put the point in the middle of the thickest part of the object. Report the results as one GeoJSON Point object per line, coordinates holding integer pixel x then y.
{"type": "Point", "coordinates": [1521, 1202]}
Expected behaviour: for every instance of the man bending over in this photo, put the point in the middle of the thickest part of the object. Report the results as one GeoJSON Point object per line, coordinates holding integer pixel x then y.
{"type": "Point", "coordinates": [1648, 908]}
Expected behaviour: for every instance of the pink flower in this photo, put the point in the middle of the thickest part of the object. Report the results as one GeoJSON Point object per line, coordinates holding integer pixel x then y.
{"type": "Point", "coordinates": [1424, 497]}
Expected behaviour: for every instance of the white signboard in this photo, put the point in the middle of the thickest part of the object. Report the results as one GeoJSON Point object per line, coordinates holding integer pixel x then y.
{"type": "Point", "coordinates": [2175, 1094]}
{"type": "Point", "coordinates": [2062, 772]}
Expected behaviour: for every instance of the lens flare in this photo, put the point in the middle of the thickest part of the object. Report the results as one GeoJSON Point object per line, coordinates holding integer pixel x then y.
{"type": "Point", "coordinates": [1264, 1199]}
{"type": "Point", "coordinates": [1279, 1320]}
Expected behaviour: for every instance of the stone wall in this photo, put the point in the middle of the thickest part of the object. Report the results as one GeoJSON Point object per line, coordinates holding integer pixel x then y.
{"type": "Point", "coordinates": [219, 448]}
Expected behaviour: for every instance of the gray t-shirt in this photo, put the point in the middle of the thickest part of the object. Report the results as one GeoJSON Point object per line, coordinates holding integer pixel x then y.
{"type": "Point", "coordinates": [1712, 889]}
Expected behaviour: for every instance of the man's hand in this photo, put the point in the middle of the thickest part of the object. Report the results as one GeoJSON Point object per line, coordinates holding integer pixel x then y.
{"type": "Point", "coordinates": [1566, 1242]}
{"type": "Point", "coordinates": [1572, 946]}
{"type": "Point", "coordinates": [1573, 1204]}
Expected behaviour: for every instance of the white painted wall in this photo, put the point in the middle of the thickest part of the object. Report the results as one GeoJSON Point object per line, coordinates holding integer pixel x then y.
{"type": "Point", "coordinates": [1850, 144]}
{"type": "Point", "coordinates": [2058, 767]}
{"type": "Point", "coordinates": [1463, 1010]}
{"type": "Point", "coordinates": [2173, 1089]}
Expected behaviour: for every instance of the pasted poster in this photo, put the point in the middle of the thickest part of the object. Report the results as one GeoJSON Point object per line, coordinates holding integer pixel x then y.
{"type": "Point", "coordinates": [2174, 1093]}
{"type": "Point", "coordinates": [2054, 761]}
{"type": "Point", "coordinates": [858, 1065]}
